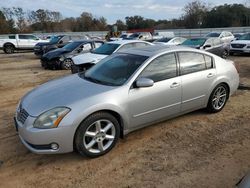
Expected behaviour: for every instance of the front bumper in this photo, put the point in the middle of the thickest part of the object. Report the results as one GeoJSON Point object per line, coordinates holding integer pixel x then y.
{"type": "Point", "coordinates": [40, 140]}
{"type": "Point", "coordinates": [240, 50]}
{"type": "Point", "coordinates": [53, 64]}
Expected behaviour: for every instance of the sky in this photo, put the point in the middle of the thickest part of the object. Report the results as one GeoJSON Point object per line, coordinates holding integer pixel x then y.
{"type": "Point", "coordinates": [113, 10]}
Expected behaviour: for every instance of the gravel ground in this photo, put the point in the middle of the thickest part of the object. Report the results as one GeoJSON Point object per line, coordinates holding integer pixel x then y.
{"type": "Point", "coordinates": [194, 150]}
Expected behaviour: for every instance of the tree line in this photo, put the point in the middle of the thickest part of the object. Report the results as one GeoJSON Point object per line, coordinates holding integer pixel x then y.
{"type": "Point", "coordinates": [196, 14]}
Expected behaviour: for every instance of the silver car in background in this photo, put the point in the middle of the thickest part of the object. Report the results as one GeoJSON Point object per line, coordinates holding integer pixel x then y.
{"type": "Point", "coordinates": [123, 92]}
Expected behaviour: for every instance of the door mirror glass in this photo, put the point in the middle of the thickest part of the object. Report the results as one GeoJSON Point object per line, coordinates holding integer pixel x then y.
{"type": "Point", "coordinates": [144, 82]}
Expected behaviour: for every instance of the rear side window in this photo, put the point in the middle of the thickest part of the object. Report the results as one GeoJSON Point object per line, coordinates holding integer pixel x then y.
{"type": "Point", "coordinates": [161, 68]}
{"type": "Point", "coordinates": [12, 37]}
{"type": "Point", "coordinates": [209, 61]}
{"type": "Point", "coordinates": [191, 62]}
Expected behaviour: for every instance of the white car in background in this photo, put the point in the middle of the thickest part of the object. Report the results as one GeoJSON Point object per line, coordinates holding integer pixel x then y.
{"type": "Point", "coordinates": [170, 41]}
{"type": "Point", "coordinates": [224, 36]}
{"type": "Point", "coordinates": [85, 61]}
{"type": "Point", "coordinates": [242, 45]}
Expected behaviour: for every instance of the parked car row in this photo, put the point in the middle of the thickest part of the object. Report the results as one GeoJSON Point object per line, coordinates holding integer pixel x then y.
{"type": "Point", "coordinates": [80, 59]}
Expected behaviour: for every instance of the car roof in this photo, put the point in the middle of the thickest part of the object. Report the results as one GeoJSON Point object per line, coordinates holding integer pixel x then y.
{"type": "Point", "coordinates": [88, 40]}
{"type": "Point", "coordinates": [126, 41]}
{"type": "Point", "coordinates": [157, 49]}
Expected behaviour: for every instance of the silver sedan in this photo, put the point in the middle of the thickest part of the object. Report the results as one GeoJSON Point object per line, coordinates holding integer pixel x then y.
{"type": "Point", "coordinates": [124, 92]}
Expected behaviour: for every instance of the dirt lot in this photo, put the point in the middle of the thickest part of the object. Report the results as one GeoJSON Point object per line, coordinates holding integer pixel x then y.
{"type": "Point", "coordinates": [195, 150]}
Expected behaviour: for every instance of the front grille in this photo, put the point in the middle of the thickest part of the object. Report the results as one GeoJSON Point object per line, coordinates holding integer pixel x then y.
{"type": "Point", "coordinates": [238, 45]}
{"type": "Point", "coordinates": [22, 115]}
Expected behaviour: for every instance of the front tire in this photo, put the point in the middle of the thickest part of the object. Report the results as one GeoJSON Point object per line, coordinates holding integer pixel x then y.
{"type": "Point", "coordinates": [97, 135]}
{"type": "Point", "coordinates": [66, 64]}
{"type": "Point", "coordinates": [218, 98]}
{"type": "Point", "coordinates": [9, 49]}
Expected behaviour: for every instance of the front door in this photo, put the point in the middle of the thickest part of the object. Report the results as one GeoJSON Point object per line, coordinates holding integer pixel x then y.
{"type": "Point", "coordinates": [160, 101]}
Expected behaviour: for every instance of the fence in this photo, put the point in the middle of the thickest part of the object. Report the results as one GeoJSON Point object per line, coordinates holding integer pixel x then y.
{"type": "Point", "coordinates": [178, 32]}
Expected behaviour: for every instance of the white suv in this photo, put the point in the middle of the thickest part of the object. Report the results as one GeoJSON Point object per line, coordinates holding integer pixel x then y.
{"type": "Point", "coordinates": [242, 45]}
{"type": "Point", "coordinates": [225, 36]}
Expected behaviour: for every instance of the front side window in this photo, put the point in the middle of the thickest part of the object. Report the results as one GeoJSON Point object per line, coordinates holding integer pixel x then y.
{"type": "Point", "coordinates": [191, 62]}
{"type": "Point", "coordinates": [161, 68]}
{"type": "Point", "coordinates": [22, 37]}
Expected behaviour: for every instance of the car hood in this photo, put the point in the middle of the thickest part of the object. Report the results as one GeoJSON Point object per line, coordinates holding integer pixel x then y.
{"type": "Point", "coordinates": [87, 58]}
{"type": "Point", "coordinates": [241, 42]}
{"type": "Point", "coordinates": [64, 91]}
{"type": "Point", "coordinates": [55, 53]}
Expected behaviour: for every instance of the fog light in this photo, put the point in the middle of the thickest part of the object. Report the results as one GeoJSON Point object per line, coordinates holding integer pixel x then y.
{"type": "Point", "coordinates": [54, 146]}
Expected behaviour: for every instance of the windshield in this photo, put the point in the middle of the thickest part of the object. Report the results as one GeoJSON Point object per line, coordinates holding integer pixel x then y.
{"type": "Point", "coordinates": [245, 37]}
{"type": "Point", "coordinates": [135, 35]}
{"type": "Point", "coordinates": [194, 42]}
{"type": "Point", "coordinates": [114, 70]}
{"type": "Point", "coordinates": [213, 35]}
{"type": "Point", "coordinates": [163, 40]}
{"type": "Point", "coordinates": [55, 39]}
{"type": "Point", "coordinates": [71, 46]}
{"type": "Point", "coordinates": [106, 49]}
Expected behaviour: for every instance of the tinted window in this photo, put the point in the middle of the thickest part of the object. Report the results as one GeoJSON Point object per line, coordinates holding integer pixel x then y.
{"type": "Point", "coordinates": [114, 70]}
{"type": "Point", "coordinates": [194, 42]}
{"type": "Point", "coordinates": [161, 68]}
{"type": "Point", "coordinates": [22, 37]}
{"type": "Point", "coordinates": [191, 62]}
{"type": "Point", "coordinates": [245, 37]}
{"type": "Point", "coordinates": [12, 37]}
{"type": "Point", "coordinates": [71, 46]}
{"type": "Point", "coordinates": [106, 49]}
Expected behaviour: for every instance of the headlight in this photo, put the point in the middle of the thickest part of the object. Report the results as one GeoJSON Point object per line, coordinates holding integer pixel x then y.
{"type": "Point", "coordinates": [61, 58]}
{"type": "Point", "coordinates": [51, 118]}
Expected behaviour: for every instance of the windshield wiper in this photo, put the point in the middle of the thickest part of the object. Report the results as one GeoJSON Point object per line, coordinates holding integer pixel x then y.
{"type": "Point", "coordinates": [97, 81]}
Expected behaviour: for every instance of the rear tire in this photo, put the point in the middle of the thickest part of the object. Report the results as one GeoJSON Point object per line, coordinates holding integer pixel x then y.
{"type": "Point", "coordinates": [9, 49]}
{"type": "Point", "coordinates": [218, 98]}
{"type": "Point", "coordinates": [97, 135]}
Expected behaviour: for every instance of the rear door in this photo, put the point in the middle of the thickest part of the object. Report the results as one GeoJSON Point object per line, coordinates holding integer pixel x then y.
{"type": "Point", "coordinates": [197, 74]}
{"type": "Point", "coordinates": [163, 99]}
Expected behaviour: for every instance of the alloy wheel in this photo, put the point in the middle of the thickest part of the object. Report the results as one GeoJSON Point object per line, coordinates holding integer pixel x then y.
{"type": "Point", "coordinates": [99, 136]}
{"type": "Point", "coordinates": [219, 97]}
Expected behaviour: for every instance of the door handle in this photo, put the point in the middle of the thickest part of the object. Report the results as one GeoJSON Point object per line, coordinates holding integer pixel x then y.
{"type": "Point", "coordinates": [174, 85]}
{"type": "Point", "coordinates": [210, 75]}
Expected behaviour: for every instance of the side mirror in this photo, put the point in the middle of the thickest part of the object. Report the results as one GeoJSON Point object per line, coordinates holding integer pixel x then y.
{"type": "Point", "coordinates": [60, 42]}
{"type": "Point", "coordinates": [144, 82]}
{"type": "Point", "coordinates": [207, 46]}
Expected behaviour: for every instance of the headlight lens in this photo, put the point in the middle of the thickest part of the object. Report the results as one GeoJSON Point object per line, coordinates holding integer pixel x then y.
{"type": "Point", "coordinates": [51, 118]}
{"type": "Point", "coordinates": [61, 58]}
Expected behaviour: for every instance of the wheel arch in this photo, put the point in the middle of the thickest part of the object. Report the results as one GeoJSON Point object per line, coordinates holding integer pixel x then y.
{"type": "Point", "coordinates": [112, 112]}
{"type": "Point", "coordinates": [8, 43]}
